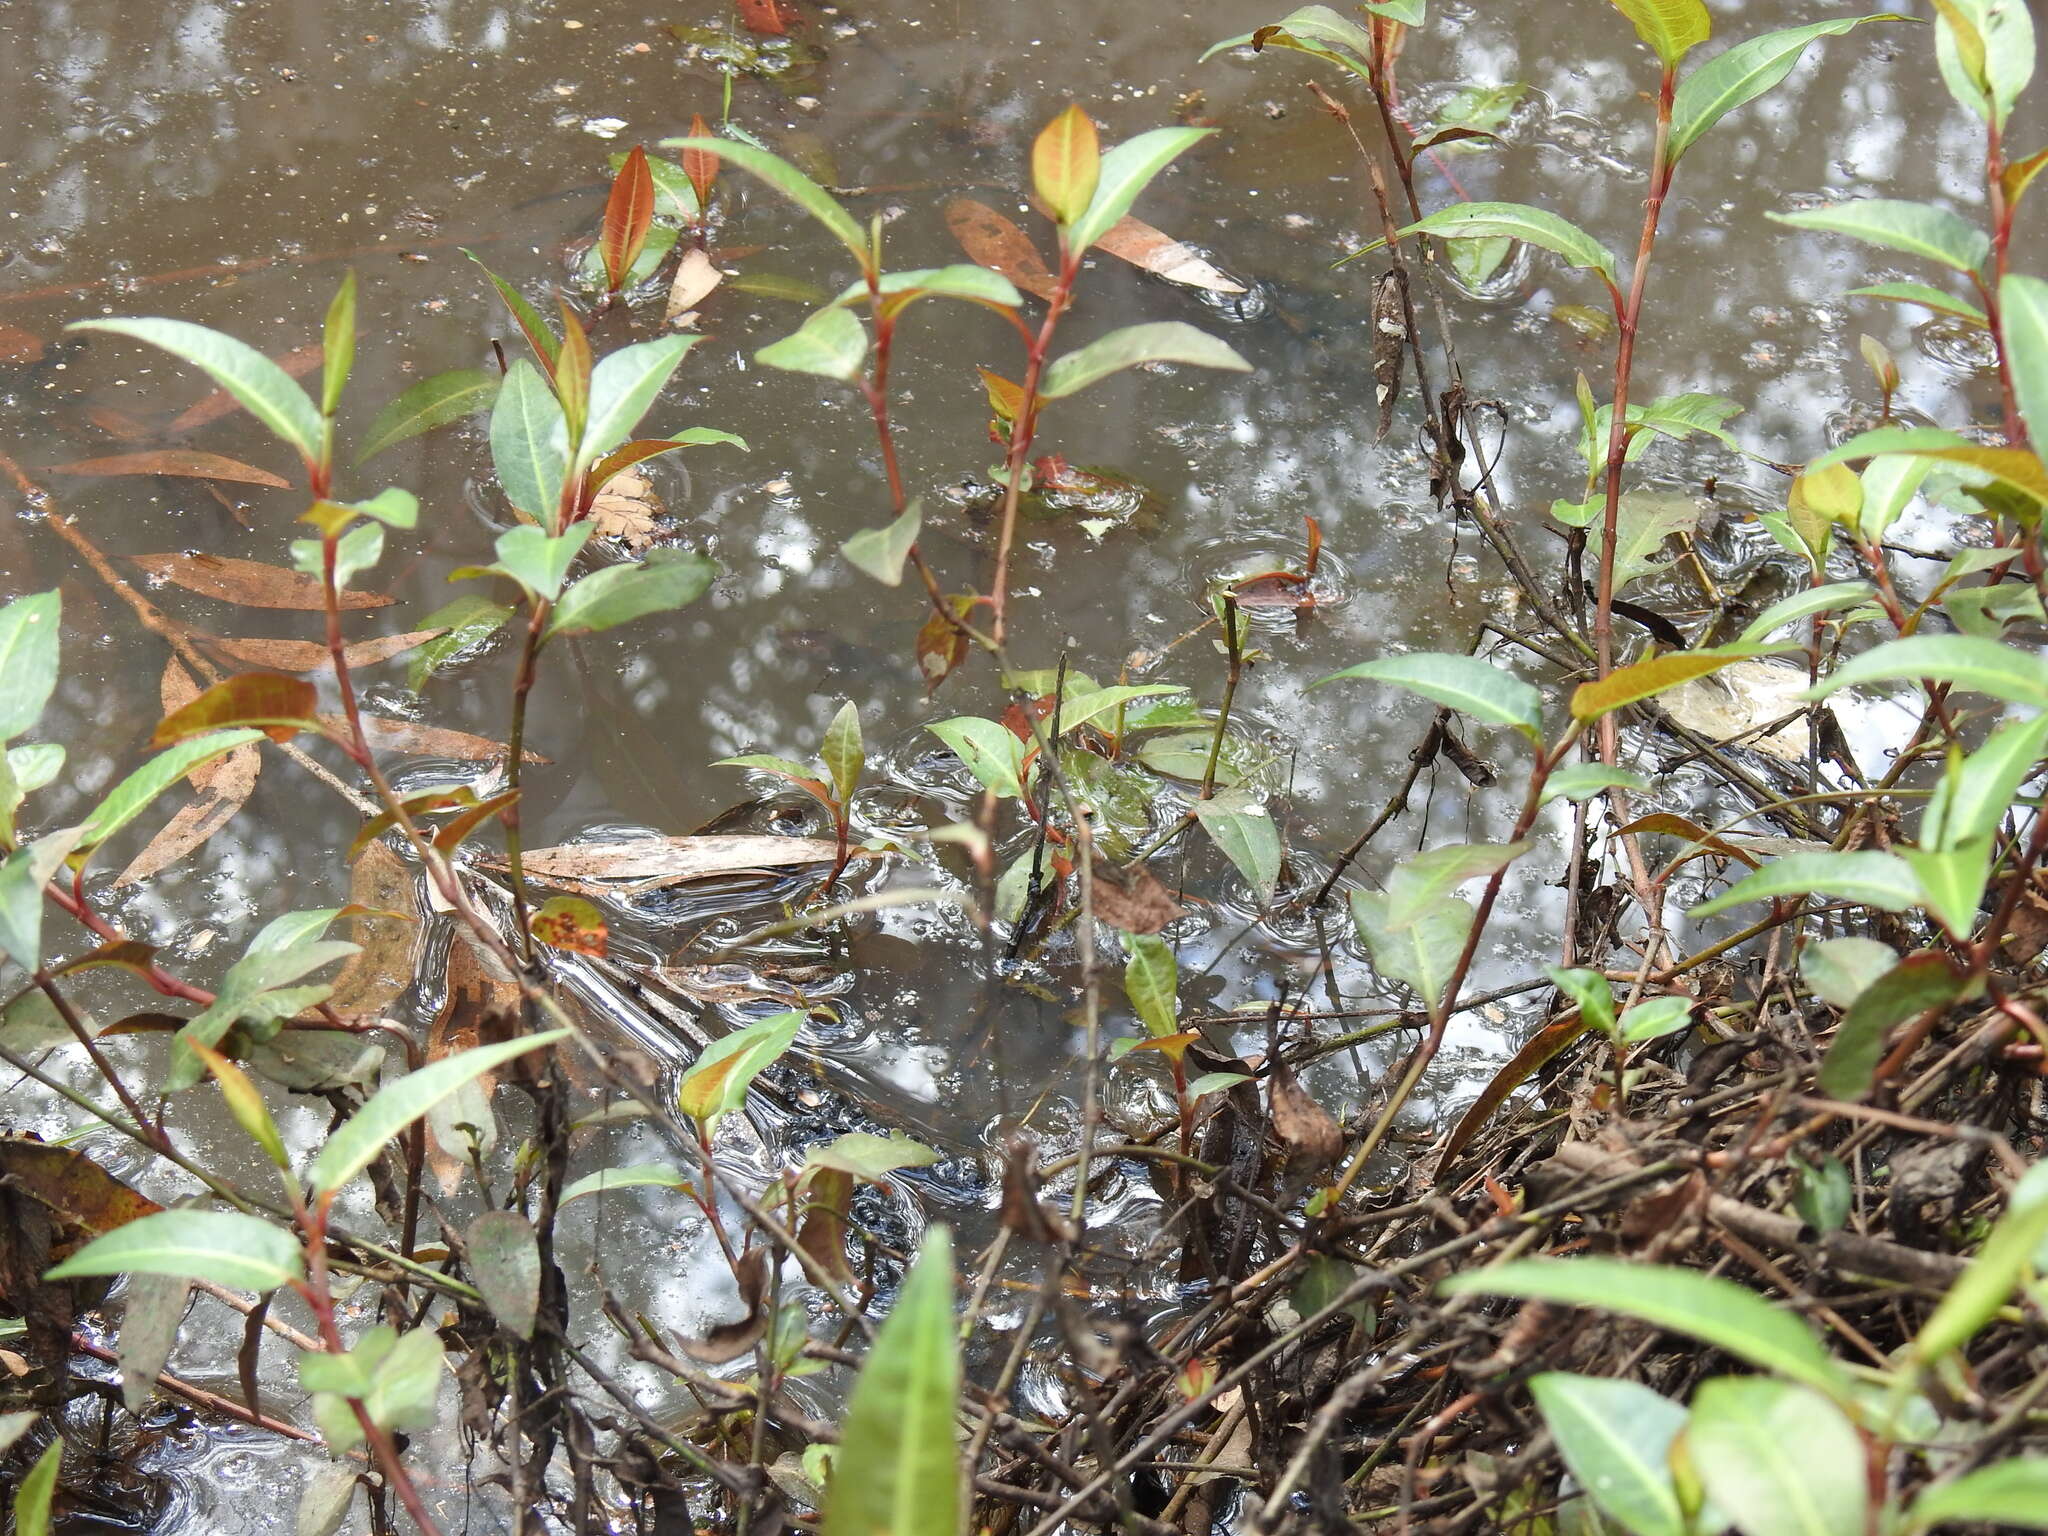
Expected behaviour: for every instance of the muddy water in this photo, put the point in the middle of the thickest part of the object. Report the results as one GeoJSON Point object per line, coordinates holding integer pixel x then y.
{"type": "Point", "coordinates": [223, 162]}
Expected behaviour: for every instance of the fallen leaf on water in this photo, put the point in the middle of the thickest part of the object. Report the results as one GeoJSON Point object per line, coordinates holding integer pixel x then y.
{"type": "Point", "coordinates": [19, 346]}
{"type": "Point", "coordinates": [231, 780]}
{"type": "Point", "coordinates": [85, 1199]}
{"type": "Point", "coordinates": [695, 277]}
{"type": "Point", "coordinates": [189, 462]}
{"type": "Point", "coordinates": [371, 979]}
{"type": "Point", "coordinates": [647, 863]}
{"type": "Point", "coordinates": [117, 423]}
{"type": "Point", "coordinates": [248, 582]}
{"type": "Point", "coordinates": [1137, 903]}
{"type": "Point", "coordinates": [770, 18]}
{"type": "Point", "coordinates": [176, 689]}
{"type": "Point", "coordinates": [1739, 698]}
{"type": "Point", "coordinates": [1155, 251]}
{"type": "Point", "coordinates": [311, 656]}
{"type": "Point", "coordinates": [994, 241]}
{"type": "Point", "coordinates": [480, 1007]}
{"type": "Point", "coordinates": [427, 740]}
{"type": "Point", "coordinates": [1313, 1140]}
{"type": "Point", "coordinates": [625, 510]}
{"type": "Point", "coordinates": [298, 363]}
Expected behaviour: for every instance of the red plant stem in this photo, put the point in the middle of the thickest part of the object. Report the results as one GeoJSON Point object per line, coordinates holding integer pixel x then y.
{"type": "Point", "coordinates": [1022, 429]}
{"type": "Point", "coordinates": [522, 688]}
{"type": "Point", "coordinates": [154, 1134]}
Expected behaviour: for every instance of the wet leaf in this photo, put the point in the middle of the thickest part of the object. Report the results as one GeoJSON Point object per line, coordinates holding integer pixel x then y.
{"type": "Point", "coordinates": [623, 388]}
{"type": "Point", "coordinates": [529, 441]}
{"type": "Point", "coordinates": [1738, 700]}
{"type": "Point", "coordinates": [311, 656]}
{"type": "Point", "coordinates": [280, 706]}
{"type": "Point", "coordinates": [186, 462]}
{"type": "Point", "coordinates": [230, 782]}
{"type": "Point", "coordinates": [1136, 903]}
{"type": "Point", "coordinates": [1513, 221]}
{"type": "Point", "coordinates": [1917, 229]}
{"type": "Point", "coordinates": [257, 384]}
{"type": "Point", "coordinates": [769, 18]}
{"type": "Point", "coordinates": [1535, 1052]}
{"type": "Point", "coordinates": [324, 1500]}
{"type": "Point", "coordinates": [1464, 683]}
{"type": "Point", "coordinates": [1243, 827]}
{"type": "Point", "coordinates": [870, 1157]}
{"type": "Point", "coordinates": [881, 552]}
{"type": "Point", "coordinates": [504, 1263]}
{"type": "Point", "coordinates": [1421, 951]}
{"type": "Point", "coordinates": [1419, 880]}
{"type": "Point", "coordinates": [133, 795]}
{"type": "Point", "coordinates": [696, 276]}
{"type": "Point", "coordinates": [1616, 1436]}
{"type": "Point", "coordinates": [1917, 983]}
{"type": "Point", "coordinates": [1967, 662]}
{"type": "Point", "coordinates": [1066, 162]}
{"type": "Point", "coordinates": [898, 1430]}
{"type": "Point", "coordinates": [994, 241]}
{"type": "Point", "coordinates": [1158, 341]}
{"type": "Point", "coordinates": [362, 1136]}
{"type": "Point", "coordinates": [1647, 679]}
{"type": "Point", "coordinates": [628, 214]}
{"type": "Point", "coordinates": [1313, 1140]}
{"type": "Point", "coordinates": [1126, 171]}
{"type": "Point", "coordinates": [569, 922]}
{"type": "Point", "coordinates": [844, 756]}
{"type": "Point", "coordinates": [152, 1308]}
{"type": "Point", "coordinates": [225, 1247]}
{"type": "Point", "coordinates": [791, 183]}
{"type": "Point", "coordinates": [822, 1232]}
{"type": "Point", "coordinates": [717, 1081]}
{"type": "Point", "coordinates": [1672, 28]}
{"type": "Point", "coordinates": [432, 402]}
{"type": "Point", "coordinates": [29, 631]}
{"type": "Point", "coordinates": [20, 347]}
{"type": "Point", "coordinates": [1778, 1459]}
{"type": "Point", "coordinates": [382, 892]}
{"type": "Point", "coordinates": [667, 579]}
{"type": "Point", "coordinates": [1154, 251]}
{"type": "Point", "coordinates": [640, 1176]}
{"type": "Point", "coordinates": [403, 736]}
{"type": "Point", "coordinates": [317, 1060]}
{"type": "Point", "coordinates": [700, 166]}
{"type": "Point", "coordinates": [1882, 880]}
{"type": "Point", "coordinates": [940, 647]}
{"type": "Point", "coordinates": [989, 751]}
{"type": "Point", "coordinates": [2015, 468]}
{"type": "Point", "coordinates": [542, 340]}
{"type": "Point", "coordinates": [1582, 781]}
{"type": "Point", "coordinates": [249, 583]}
{"type": "Point", "coordinates": [649, 862]}
{"type": "Point", "coordinates": [1152, 983]}
{"type": "Point", "coordinates": [625, 511]}
{"type": "Point", "coordinates": [82, 1196]}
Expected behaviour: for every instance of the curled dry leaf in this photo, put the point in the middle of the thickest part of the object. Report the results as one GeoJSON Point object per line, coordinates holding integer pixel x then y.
{"type": "Point", "coordinates": [1313, 1140]}
{"type": "Point", "coordinates": [728, 1341]}
{"type": "Point", "coordinates": [1155, 251]}
{"type": "Point", "coordinates": [188, 462]}
{"type": "Point", "coordinates": [1389, 343]}
{"type": "Point", "coordinates": [1137, 902]}
{"type": "Point", "coordinates": [311, 656]}
{"type": "Point", "coordinates": [648, 863]}
{"type": "Point", "coordinates": [696, 276]}
{"type": "Point", "coordinates": [994, 241]}
{"type": "Point", "coordinates": [822, 1233]}
{"type": "Point", "coordinates": [248, 582]}
{"type": "Point", "coordinates": [626, 510]}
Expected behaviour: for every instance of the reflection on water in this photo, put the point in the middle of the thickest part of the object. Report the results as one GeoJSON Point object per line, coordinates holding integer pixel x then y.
{"type": "Point", "coordinates": [222, 161]}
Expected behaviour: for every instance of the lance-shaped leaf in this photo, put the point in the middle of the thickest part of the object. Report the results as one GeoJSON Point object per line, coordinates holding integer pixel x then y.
{"type": "Point", "coordinates": [257, 384]}
{"type": "Point", "coordinates": [1926, 297]}
{"type": "Point", "coordinates": [1874, 879]}
{"type": "Point", "coordinates": [881, 551]}
{"type": "Point", "coordinates": [1646, 679]}
{"type": "Point", "coordinates": [1972, 799]}
{"type": "Point", "coordinates": [1464, 683]}
{"type": "Point", "coordinates": [22, 878]}
{"type": "Point", "coordinates": [339, 344]}
{"type": "Point", "coordinates": [832, 343]}
{"type": "Point", "coordinates": [843, 754]}
{"type": "Point", "coordinates": [2011, 1493]}
{"type": "Point", "coordinates": [962, 280]}
{"type": "Point", "coordinates": [1741, 74]}
{"type": "Point", "coordinates": [1778, 1459]}
{"type": "Point", "coordinates": [278, 705]}
{"type": "Point", "coordinates": [628, 214]}
{"type": "Point", "coordinates": [28, 660]}
{"type": "Point", "coordinates": [1421, 951]}
{"type": "Point", "coordinates": [363, 1135]}
{"type": "Point", "coordinates": [638, 1176]}
{"type": "Point", "coordinates": [1616, 1436]}
{"type": "Point", "coordinates": [132, 796]}
{"type": "Point", "coordinates": [1582, 781]}
{"type": "Point", "coordinates": [225, 1247]}
{"type": "Point", "coordinates": [538, 561]}
{"type": "Point", "coordinates": [1066, 162]}
{"type": "Point", "coordinates": [665, 580]}
{"type": "Point", "coordinates": [898, 1469]}
{"type": "Point", "coordinates": [989, 751]}
{"type": "Point", "coordinates": [529, 441]}
{"type": "Point", "coordinates": [1513, 221]}
{"type": "Point", "coordinates": [1312, 29]}
{"type": "Point", "coordinates": [1805, 604]}
{"type": "Point", "coordinates": [1918, 229]}
{"type": "Point", "coordinates": [1917, 983]}
{"type": "Point", "coordinates": [1419, 880]}
{"type": "Point", "coordinates": [2023, 307]}
{"type": "Point", "coordinates": [624, 386]}
{"type": "Point", "coordinates": [1969, 662]}
{"type": "Point", "coordinates": [2005, 1257]}
{"type": "Point", "coordinates": [1160, 341]}
{"type": "Point", "coordinates": [717, 1081]}
{"type": "Point", "coordinates": [1672, 28]}
{"type": "Point", "coordinates": [2016, 468]}
{"type": "Point", "coordinates": [1985, 49]}
{"type": "Point", "coordinates": [791, 183]}
{"type": "Point", "coordinates": [432, 402]}
{"type": "Point", "coordinates": [1125, 172]}
{"type": "Point", "coordinates": [1152, 983]}
{"type": "Point", "coordinates": [627, 454]}
{"type": "Point", "coordinates": [545, 346]}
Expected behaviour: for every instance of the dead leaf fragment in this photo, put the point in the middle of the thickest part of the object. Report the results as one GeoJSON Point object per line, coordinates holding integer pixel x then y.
{"type": "Point", "coordinates": [648, 863]}
{"type": "Point", "coordinates": [695, 277]}
{"type": "Point", "coordinates": [428, 740]}
{"type": "Point", "coordinates": [371, 978]}
{"type": "Point", "coordinates": [191, 463]}
{"type": "Point", "coordinates": [626, 510]}
{"type": "Point", "coordinates": [728, 1341]}
{"type": "Point", "coordinates": [1139, 903]}
{"type": "Point", "coordinates": [991, 240]}
{"type": "Point", "coordinates": [217, 805]}
{"type": "Point", "coordinates": [1739, 698]}
{"type": "Point", "coordinates": [1313, 1140]}
{"type": "Point", "coordinates": [1155, 251]}
{"type": "Point", "coordinates": [480, 1007]}
{"type": "Point", "coordinates": [311, 656]}
{"type": "Point", "coordinates": [19, 346]}
{"type": "Point", "coordinates": [248, 582]}
{"type": "Point", "coordinates": [1389, 344]}
{"type": "Point", "coordinates": [175, 690]}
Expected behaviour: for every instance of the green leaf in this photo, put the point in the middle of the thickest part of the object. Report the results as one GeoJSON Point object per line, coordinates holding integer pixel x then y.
{"type": "Point", "coordinates": [225, 1247]}
{"type": "Point", "coordinates": [1823, 1193]}
{"type": "Point", "coordinates": [504, 1263]}
{"type": "Point", "coordinates": [37, 1491]}
{"type": "Point", "coordinates": [1972, 799]}
{"type": "Point", "coordinates": [1243, 828]}
{"type": "Point", "coordinates": [1889, 485]}
{"type": "Point", "coordinates": [339, 344]}
{"type": "Point", "coordinates": [1882, 880]}
{"type": "Point", "coordinates": [2007, 1254]}
{"type": "Point", "coordinates": [1926, 297]}
{"type": "Point", "coordinates": [132, 796]}
{"type": "Point", "coordinates": [639, 1176]}
{"type": "Point", "coordinates": [1645, 522]}
{"type": "Point", "coordinates": [2006, 1493]}
{"type": "Point", "coordinates": [29, 629]}
{"type": "Point", "coordinates": [898, 1469]}
{"type": "Point", "coordinates": [2005, 41]}
{"type": "Point", "coordinates": [1066, 162]}
{"type": "Point", "coordinates": [880, 552]}
{"type": "Point", "coordinates": [1421, 878]}
{"type": "Point", "coordinates": [1917, 983]}
{"type": "Point", "coordinates": [832, 343]}
{"type": "Point", "coordinates": [22, 878]}
{"type": "Point", "coordinates": [1319, 27]}
{"type": "Point", "coordinates": [357, 550]}
{"type": "Point", "coordinates": [464, 623]}
{"type": "Point", "coordinates": [1655, 1019]}
{"type": "Point", "coordinates": [1126, 171]}
{"type": "Point", "coordinates": [871, 1157]}
{"type": "Point", "coordinates": [792, 184]}
{"type": "Point", "coordinates": [1952, 882]}
{"type": "Point", "coordinates": [1672, 28]}
{"type": "Point", "coordinates": [1719, 1312]}
{"type": "Point", "coordinates": [1514, 221]}
{"type": "Point", "coordinates": [363, 1135]}
{"type": "Point", "coordinates": [962, 280]}
{"type": "Point", "coordinates": [1918, 229]}
{"type": "Point", "coordinates": [623, 387]}
{"type": "Point", "coordinates": [1421, 951]}
{"type": "Point", "coordinates": [1464, 683]}
{"type": "Point", "coordinates": [257, 384]}
{"type": "Point", "coordinates": [1646, 679]}
{"type": "Point", "coordinates": [1967, 662]}
{"type": "Point", "coordinates": [546, 349]}
{"type": "Point", "coordinates": [1582, 781]}
{"type": "Point", "coordinates": [1152, 983]}
{"type": "Point", "coordinates": [844, 756]}
{"type": "Point", "coordinates": [1804, 604]}
{"type": "Point", "coordinates": [537, 560]}
{"type": "Point", "coordinates": [1159, 341]}
{"type": "Point", "coordinates": [1616, 1436]}
{"type": "Point", "coordinates": [664, 580]}
{"type": "Point", "coordinates": [717, 1081]}
{"type": "Point", "coordinates": [13, 1426]}
{"type": "Point", "coordinates": [2013, 467]}
{"type": "Point", "coordinates": [989, 751]}
{"type": "Point", "coordinates": [2023, 311]}
{"type": "Point", "coordinates": [1839, 971]}
{"type": "Point", "coordinates": [1744, 72]}
{"type": "Point", "coordinates": [1592, 992]}
{"type": "Point", "coordinates": [529, 442]}
{"type": "Point", "coordinates": [432, 402]}
{"type": "Point", "coordinates": [396, 1377]}
{"type": "Point", "coordinates": [1778, 1459]}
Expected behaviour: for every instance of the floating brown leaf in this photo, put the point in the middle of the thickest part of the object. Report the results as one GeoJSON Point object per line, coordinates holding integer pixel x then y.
{"type": "Point", "coordinates": [1313, 1140]}
{"type": "Point", "coordinates": [1389, 344]}
{"type": "Point", "coordinates": [770, 18]}
{"type": "Point", "coordinates": [940, 647]}
{"type": "Point", "coordinates": [728, 1341]}
{"type": "Point", "coordinates": [86, 1199]}
{"type": "Point", "coordinates": [626, 510]}
{"type": "Point", "coordinates": [696, 276]}
{"type": "Point", "coordinates": [248, 582]}
{"type": "Point", "coordinates": [19, 346]}
{"type": "Point", "coordinates": [371, 978]}
{"type": "Point", "coordinates": [1155, 251]}
{"type": "Point", "coordinates": [176, 690]}
{"type": "Point", "coordinates": [994, 241]}
{"type": "Point", "coordinates": [298, 362]}
{"type": "Point", "coordinates": [428, 740]}
{"type": "Point", "coordinates": [1137, 902]}
{"type": "Point", "coordinates": [188, 462]}
{"type": "Point", "coordinates": [647, 863]}
{"type": "Point", "coordinates": [231, 780]}
{"type": "Point", "coordinates": [311, 656]}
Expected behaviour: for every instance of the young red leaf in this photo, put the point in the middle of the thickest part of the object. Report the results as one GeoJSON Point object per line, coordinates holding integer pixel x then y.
{"type": "Point", "coordinates": [280, 706]}
{"type": "Point", "coordinates": [701, 166]}
{"type": "Point", "coordinates": [628, 214]}
{"type": "Point", "coordinates": [1066, 162]}
{"type": "Point", "coordinates": [769, 18]}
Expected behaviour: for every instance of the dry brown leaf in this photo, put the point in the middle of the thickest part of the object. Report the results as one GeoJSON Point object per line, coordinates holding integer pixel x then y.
{"type": "Point", "coordinates": [19, 346]}
{"type": "Point", "coordinates": [481, 1006]}
{"type": "Point", "coordinates": [1022, 1211]}
{"type": "Point", "coordinates": [298, 362]}
{"type": "Point", "coordinates": [646, 863]}
{"type": "Point", "coordinates": [1137, 903]}
{"type": "Point", "coordinates": [231, 782]}
{"type": "Point", "coordinates": [427, 740]}
{"type": "Point", "coordinates": [728, 1341]}
{"type": "Point", "coordinates": [1738, 699]}
{"type": "Point", "coordinates": [372, 977]}
{"type": "Point", "coordinates": [189, 462]}
{"type": "Point", "coordinates": [1312, 1138]}
{"type": "Point", "coordinates": [991, 240]}
{"type": "Point", "coordinates": [176, 689]}
{"type": "Point", "coordinates": [1389, 344]}
{"type": "Point", "coordinates": [248, 582]}
{"type": "Point", "coordinates": [695, 277]}
{"type": "Point", "coordinates": [81, 1195]}
{"type": "Point", "coordinates": [1155, 251]}
{"type": "Point", "coordinates": [311, 656]}
{"type": "Point", "coordinates": [626, 509]}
